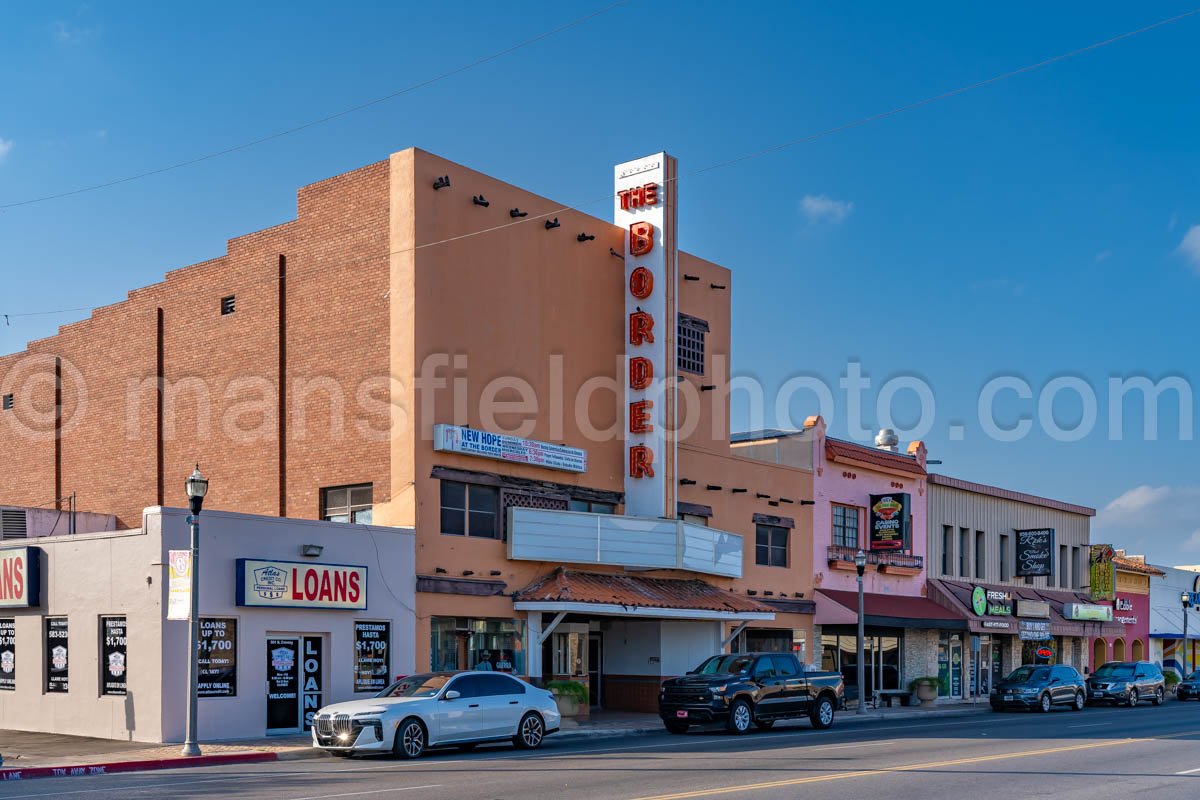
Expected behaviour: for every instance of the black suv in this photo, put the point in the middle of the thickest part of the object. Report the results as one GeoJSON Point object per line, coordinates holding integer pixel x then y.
{"type": "Point", "coordinates": [1040, 687]}
{"type": "Point", "coordinates": [1127, 682]}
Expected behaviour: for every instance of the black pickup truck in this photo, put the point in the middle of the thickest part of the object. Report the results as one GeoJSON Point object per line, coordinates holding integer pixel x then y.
{"type": "Point", "coordinates": [744, 689]}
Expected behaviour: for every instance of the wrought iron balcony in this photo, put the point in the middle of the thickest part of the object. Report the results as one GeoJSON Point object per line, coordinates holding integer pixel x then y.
{"type": "Point", "coordinates": [845, 555]}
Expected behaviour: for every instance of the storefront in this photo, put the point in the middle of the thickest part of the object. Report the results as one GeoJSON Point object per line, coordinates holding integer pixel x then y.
{"type": "Point", "coordinates": [1174, 627]}
{"type": "Point", "coordinates": [1130, 602]}
{"type": "Point", "coordinates": [294, 614]}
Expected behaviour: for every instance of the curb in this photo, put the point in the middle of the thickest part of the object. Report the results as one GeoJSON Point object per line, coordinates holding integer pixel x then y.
{"type": "Point", "coordinates": [113, 767]}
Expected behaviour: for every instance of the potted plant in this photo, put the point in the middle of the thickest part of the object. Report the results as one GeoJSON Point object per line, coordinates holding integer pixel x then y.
{"type": "Point", "coordinates": [925, 688]}
{"type": "Point", "coordinates": [1171, 679]}
{"type": "Point", "coordinates": [570, 696]}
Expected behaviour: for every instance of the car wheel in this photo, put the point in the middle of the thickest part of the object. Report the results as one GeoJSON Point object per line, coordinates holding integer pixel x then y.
{"type": "Point", "coordinates": [410, 739]}
{"type": "Point", "coordinates": [530, 732]}
{"type": "Point", "coordinates": [1131, 699]}
{"type": "Point", "coordinates": [675, 727]}
{"type": "Point", "coordinates": [1044, 705]}
{"type": "Point", "coordinates": [740, 717]}
{"type": "Point", "coordinates": [764, 724]}
{"type": "Point", "coordinates": [822, 713]}
{"type": "Point", "coordinates": [1080, 701]}
{"type": "Point", "coordinates": [1158, 696]}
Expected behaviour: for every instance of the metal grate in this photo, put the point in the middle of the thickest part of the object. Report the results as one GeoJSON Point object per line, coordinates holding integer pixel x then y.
{"type": "Point", "coordinates": [510, 499]}
{"type": "Point", "coordinates": [12, 524]}
{"type": "Point", "coordinates": [228, 304]}
{"type": "Point", "coordinates": [332, 724]}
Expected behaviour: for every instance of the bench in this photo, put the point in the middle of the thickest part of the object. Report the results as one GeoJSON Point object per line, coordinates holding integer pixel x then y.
{"type": "Point", "coordinates": [886, 696]}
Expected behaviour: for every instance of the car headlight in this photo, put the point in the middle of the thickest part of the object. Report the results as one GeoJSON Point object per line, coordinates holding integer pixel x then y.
{"type": "Point", "coordinates": [368, 715]}
{"type": "Point", "coordinates": [719, 689]}
{"type": "Point", "coordinates": [1025, 691]}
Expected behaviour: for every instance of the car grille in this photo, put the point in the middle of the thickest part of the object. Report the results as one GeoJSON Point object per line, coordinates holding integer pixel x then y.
{"type": "Point", "coordinates": [684, 696]}
{"type": "Point", "coordinates": [333, 724]}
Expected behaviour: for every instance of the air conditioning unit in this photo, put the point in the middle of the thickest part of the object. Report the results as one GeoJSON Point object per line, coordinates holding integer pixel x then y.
{"type": "Point", "coordinates": [12, 523]}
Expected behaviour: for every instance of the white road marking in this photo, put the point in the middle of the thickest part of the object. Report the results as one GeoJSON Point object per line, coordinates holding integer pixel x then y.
{"type": "Point", "coordinates": [1188, 771]}
{"type": "Point", "coordinates": [372, 791]}
{"type": "Point", "coordinates": [1090, 725]}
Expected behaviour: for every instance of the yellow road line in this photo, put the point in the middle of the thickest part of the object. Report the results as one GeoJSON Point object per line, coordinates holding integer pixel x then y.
{"type": "Point", "coordinates": [838, 776]}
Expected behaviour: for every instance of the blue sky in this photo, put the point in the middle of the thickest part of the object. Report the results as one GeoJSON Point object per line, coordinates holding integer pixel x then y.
{"type": "Point", "coordinates": [1034, 228]}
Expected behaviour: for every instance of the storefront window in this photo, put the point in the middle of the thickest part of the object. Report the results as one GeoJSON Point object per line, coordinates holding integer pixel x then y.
{"type": "Point", "coordinates": [568, 653]}
{"type": "Point", "coordinates": [483, 644]}
{"type": "Point", "coordinates": [881, 660]}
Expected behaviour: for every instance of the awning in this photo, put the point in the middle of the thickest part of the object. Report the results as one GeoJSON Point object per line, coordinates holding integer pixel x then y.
{"type": "Point", "coordinates": [956, 596]}
{"type": "Point", "coordinates": [575, 592]}
{"type": "Point", "coordinates": [838, 607]}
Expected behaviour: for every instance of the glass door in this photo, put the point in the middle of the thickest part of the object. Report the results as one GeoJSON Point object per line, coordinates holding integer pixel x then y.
{"type": "Point", "coordinates": [283, 685]}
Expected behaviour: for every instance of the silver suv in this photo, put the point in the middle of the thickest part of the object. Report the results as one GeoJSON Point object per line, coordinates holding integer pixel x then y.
{"type": "Point", "coordinates": [1127, 682]}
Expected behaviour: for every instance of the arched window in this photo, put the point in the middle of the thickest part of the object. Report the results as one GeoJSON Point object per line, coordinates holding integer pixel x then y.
{"type": "Point", "coordinates": [1119, 650]}
{"type": "Point", "coordinates": [1099, 653]}
{"type": "Point", "coordinates": [1139, 651]}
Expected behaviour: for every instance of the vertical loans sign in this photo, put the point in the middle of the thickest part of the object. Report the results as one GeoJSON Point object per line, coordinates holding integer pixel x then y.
{"type": "Point", "coordinates": [647, 210]}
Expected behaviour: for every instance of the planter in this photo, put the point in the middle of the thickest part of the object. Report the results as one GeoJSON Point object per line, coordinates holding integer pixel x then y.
{"type": "Point", "coordinates": [927, 693]}
{"type": "Point", "coordinates": [568, 705]}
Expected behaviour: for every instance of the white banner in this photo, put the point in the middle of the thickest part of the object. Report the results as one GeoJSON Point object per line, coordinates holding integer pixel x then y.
{"type": "Point", "coordinates": [502, 447]}
{"type": "Point", "coordinates": [179, 584]}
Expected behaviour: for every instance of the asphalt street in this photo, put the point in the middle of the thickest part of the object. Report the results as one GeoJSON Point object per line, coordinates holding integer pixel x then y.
{"type": "Point", "coordinates": [1096, 754]}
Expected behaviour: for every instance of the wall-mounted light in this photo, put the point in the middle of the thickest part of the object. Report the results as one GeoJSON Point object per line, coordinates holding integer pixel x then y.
{"type": "Point", "coordinates": [552, 223]}
{"type": "Point", "coordinates": [585, 237]}
{"type": "Point", "coordinates": [311, 550]}
{"type": "Point", "coordinates": [516, 212]}
{"type": "Point", "coordinates": [480, 200]}
{"type": "Point", "coordinates": [442, 182]}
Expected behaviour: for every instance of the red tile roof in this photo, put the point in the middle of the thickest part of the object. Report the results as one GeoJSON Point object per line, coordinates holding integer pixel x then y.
{"type": "Point", "coordinates": [1136, 565]}
{"type": "Point", "coordinates": [890, 605]}
{"type": "Point", "coordinates": [571, 586]}
{"type": "Point", "coordinates": [1008, 494]}
{"type": "Point", "coordinates": [837, 450]}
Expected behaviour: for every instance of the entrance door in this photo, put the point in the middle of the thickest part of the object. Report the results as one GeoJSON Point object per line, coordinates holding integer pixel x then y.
{"type": "Point", "coordinates": [283, 685]}
{"type": "Point", "coordinates": [295, 682]}
{"type": "Point", "coordinates": [595, 668]}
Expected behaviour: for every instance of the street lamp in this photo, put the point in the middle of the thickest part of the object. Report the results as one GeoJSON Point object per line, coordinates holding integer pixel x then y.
{"type": "Point", "coordinates": [860, 564]}
{"type": "Point", "coordinates": [1185, 599]}
{"type": "Point", "coordinates": [196, 486]}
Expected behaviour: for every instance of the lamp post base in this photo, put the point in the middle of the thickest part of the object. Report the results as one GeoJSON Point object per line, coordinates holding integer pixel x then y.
{"type": "Point", "coordinates": [190, 749]}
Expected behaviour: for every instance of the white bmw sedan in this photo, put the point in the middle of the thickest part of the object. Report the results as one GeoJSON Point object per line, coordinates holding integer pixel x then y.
{"type": "Point", "coordinates": [440, 709]}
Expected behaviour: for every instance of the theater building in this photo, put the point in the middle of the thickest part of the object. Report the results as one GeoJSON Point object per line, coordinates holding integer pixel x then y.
{"type": "Point", "coordinates": [294, 614]}
{"type": "Point", "coordinates": [541, 394]}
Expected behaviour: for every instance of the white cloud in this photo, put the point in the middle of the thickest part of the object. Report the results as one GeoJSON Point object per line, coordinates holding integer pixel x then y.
{"type": "Point", "coordinates": [6, 146]}
{"type": "Point", "coordinates": [1189, 248]}
{"type": "Point", "coordinates": [1137, 499]}
{"type": "Point", "coordinates": [1193, 541]}
{"type": "Point", "coordinates": [819, 208]}
{"type": "Point", "coordinates": [1103, 255]}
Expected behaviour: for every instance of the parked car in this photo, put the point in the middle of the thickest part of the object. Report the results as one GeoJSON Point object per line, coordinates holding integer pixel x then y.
{"type": "Point", "coordinates": [436, 710]}
{"type": "Point", "coordinates": [1040, 687]}
{"type": "Point", "coordinates": [1127, 682]}
{"type": "Point", "coordinates": [1189, 687]}
{"type": "Point", "coordinates": [744, 689]}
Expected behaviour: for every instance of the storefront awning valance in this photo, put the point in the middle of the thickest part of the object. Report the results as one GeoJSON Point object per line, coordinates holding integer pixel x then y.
{"type": "Point", "coordinates": [956, 596]}
{"type": "Point", "coordinates": [601, 594]}
{"type": "Point", "coordinates": [838, 607]}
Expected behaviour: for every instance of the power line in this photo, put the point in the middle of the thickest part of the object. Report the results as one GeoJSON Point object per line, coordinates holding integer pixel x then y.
{"type": "Point", "coordinates": [742, 158]}
{"type": "Point", "coordinates": [322, 120]}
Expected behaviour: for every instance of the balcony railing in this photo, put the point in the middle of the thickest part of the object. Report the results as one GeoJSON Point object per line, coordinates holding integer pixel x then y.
{"type": "Point", "coordinates": [838, 553]}
{"type": "Point", "coordinates": [569, 537]}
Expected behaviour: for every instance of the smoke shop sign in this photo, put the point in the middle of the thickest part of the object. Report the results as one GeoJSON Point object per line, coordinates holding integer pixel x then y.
{"type": "Point", "coordinates": [290, 584]}
{"type": "Point", "coordinates": [484, 444]}
{"type": "Point", "coordinates": [1035, 550]}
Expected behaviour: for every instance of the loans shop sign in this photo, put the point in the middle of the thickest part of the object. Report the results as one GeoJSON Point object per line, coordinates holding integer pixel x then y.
{"type": "Point", "coordinates": [291, 584]}
{"type": "Point", "coordinates": [647, 210]}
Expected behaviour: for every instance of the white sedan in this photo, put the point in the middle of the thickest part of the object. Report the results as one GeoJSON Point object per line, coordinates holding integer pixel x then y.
{"type": "Point", "coordinates": [437, 710]}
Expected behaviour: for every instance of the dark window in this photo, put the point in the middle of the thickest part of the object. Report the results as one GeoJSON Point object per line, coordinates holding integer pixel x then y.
{"type": "Point", "coordinates": [980, 554]}
{"type": "Point", "coordinates": [8, 402]}
{"type": "Point", "coordinates": [785, 666]}
{"type": "Point", "coordinates": [1005, 573]}
{"type": "Point", "coordinates": [964, 545]}
{"type": "Point", "coordinates": [347, 504]}
{"type": "Point", "coordinates": [947, 549]}
{"type": "Point", "coordinates": [467, 686]}
{"type": "Point", "coordinates": [691, 344]}
{"type": "Point", "coordinates": [770, 546]}
{"type": "Point", "coordinates": [593, 507]}
{"type": "Point", "coordinates": [495, 685]}
{"type": "Point", "coordinates": [469, 509]}
{"type": "Point", "coordinates": [764, 668]}
{"type": "Point", "coordinates": [228, 305]}
{"type": "Point", "coordinates": [845, 526]}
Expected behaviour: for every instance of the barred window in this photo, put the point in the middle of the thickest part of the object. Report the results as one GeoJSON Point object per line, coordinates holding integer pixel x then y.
{"type": "Point", "coordinates": [691, 344]}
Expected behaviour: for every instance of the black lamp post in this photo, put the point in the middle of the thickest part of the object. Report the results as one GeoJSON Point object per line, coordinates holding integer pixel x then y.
{"type": "Point", "coordinates": [860, 564]}
{"type": "Point", "coordinates": [196, 486]}
{"type": "Point", "coordinates": [1185, 599]}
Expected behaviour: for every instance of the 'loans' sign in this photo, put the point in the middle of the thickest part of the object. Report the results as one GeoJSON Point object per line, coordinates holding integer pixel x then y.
{"type": "Point", "coordinates": [291, 584]}
{"type": "Point", "coordinates": [20, 574]}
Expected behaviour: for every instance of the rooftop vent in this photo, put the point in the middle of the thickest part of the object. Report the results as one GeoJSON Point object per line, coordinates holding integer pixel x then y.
{"type": "Point", "coordinates": [887, 439]}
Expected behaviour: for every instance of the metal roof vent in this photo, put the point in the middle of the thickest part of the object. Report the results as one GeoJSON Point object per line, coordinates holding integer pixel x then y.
{"type": "Point", "coordinates": [887, 439]}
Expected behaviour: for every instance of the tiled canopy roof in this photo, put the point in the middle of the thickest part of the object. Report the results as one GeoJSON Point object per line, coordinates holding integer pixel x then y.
{"type": "Point", "coordinates": [836, 450]}
{"type": "Point", "coordinates": [1131, 565]}
{"type": "Point", "coordinates": [571, 586]}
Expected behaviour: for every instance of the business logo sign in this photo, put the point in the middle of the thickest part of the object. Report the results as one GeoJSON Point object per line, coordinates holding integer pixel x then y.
{"type": "Point", "coordinates": [1087, 612]}
{"type": "Point", "coordinates": [646, 208]}
{"type": "Point", "coordinates": [20, 577]}
{"type": "Point", "coordinates": [290, 584]}
{"type": "Point", "coordinates": [979, 600]}
{"type": "Point", "coordinates": [996, 624]}
{"type": "Point", "coordinates": [283, 659]}
{"type": "Point", "coordinates": [1037, 609]}
{"type": "Point", "coordinates": [1102, 573]}
{"type": "Point", "coordinates": [484, 444]}
{"type": "Point", "coordinates": [1035, 552]}
{"type": "Point", "coordinates": [889, 524]}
